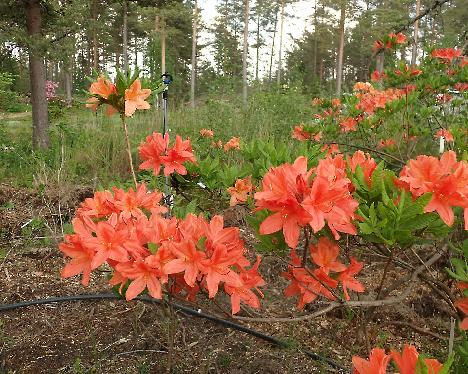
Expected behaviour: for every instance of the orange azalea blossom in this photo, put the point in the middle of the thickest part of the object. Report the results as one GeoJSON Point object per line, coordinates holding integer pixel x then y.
{"type": "Point", "coordinates": [296, 200]}
{"type": "Point", "coordinates": [233, 143]}
{"type": "Point", "coordinates": [399, 38]}
{"type": "Point", "coordinates": [362, 86]}
{"type": "Point", "coordinates": [147, 250]}
{"type": "Point", "coordinates": [240, 191]}
{"type": "Point", "coordinates": [324, 255]}
{"type": "Point", "coordinates": [377, 76]}
{"type": "Point", "coordinates": [386, 143]}
{"type": "Point", "coordinates": [446, 134]}
{"type": "Point", "coordinates": [462, 304]}
{"type": "Point", "coordinates": [348, 124]}
{"type": "Point", "coordinates": [336, 102]}
{"type": "Point", "coordinates": [206, 133]}
{"type": "Point", "coordinates": [218, 144]}
{"type": "Point", "coordinates": [156, 153]}
{"type": "Point", "coordinates": [462, 87]}
{"type": "Point", "coordinates": [317, 137]}
{"type": "Point", "coordinates": [407, 360]}
{"type": "Point", "coordinates": [446, 54]}
{"type": "Point", "coordinates": [102, 88]}
{"type": "Point", "coordinates": [317, 101]}
{"type": "Point", "coordinates": [135, 98]}
{"type": "Point", "coordinates": [446, 179]}
{"type": "Point", "coordinates": [378, 44]}
{"type": "Point", "coordinates": [377, 363]}
{"type": "Point", "coordinates": [152, 151]}
{"type": "Point", "coordinates": [300, 134]}
{"type": "Point", "coordinates": [176, 156]}
{"type": "Point", "coordinates": [374, 99]}
{"type": "Point", "coordinates": [331, 149]}
{"type": "Point", "coordinates": [365, 162]}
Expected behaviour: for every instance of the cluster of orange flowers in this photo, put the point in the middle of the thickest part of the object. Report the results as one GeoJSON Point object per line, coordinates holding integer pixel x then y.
{"type": "Point", "coordinates": [106, 92]}
{"type": "Point", "coordinates": [445, 178]}
{"type": "Point", "coordinates": [309, 283]}
{"type": "Point", "coordinates": [147, 251]}
{"type": "Point", "coordinates": [155, 152]}
{"type": "Point", "coordinates": [390, 41]}
{"type": "Point", "coordinates": [406, 362]}
{"type": "Point", "coordinates": [302, 135]}
{"type": "Point", "coordinates": [233, 143]}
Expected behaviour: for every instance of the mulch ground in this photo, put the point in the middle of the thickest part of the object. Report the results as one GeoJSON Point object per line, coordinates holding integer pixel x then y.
{"type": "Point", "coordinates": [132, 337]}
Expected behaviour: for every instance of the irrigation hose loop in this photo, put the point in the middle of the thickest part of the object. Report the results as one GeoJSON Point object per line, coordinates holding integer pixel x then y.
{"type": "Point", "coordinates": [182, 308]}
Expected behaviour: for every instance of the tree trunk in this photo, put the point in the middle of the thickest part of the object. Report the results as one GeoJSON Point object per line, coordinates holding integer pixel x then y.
{"type": "Point", "coordinates": [273, 47]}
{"type": "Point", "coordinates": [415, 37]}
{"type": "Point", "coordinates": [245, 52]}
{"type": "Point", "coordinates": [95, 41]}
{"type": "Point", "coordinates": [125, 36]}
{"type": "Point", "coordinates": [258, 45]}
{"type": "Point", "coordinates": [380, 62]}
{"type": "Point", "coordinates": [339, 65]}
{"type": "Point", "coordinates": [278, 77]}
{"type": "Point", "coordinates": [40, 137]}
{"type": "Point", "coordinates": [315, 39]}
{"type": "Point", "coordinates": [193, 72]}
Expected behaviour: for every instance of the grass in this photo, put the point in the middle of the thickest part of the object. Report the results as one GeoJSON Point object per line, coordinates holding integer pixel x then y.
{"type": "Point", "coordinates": [89, 149]}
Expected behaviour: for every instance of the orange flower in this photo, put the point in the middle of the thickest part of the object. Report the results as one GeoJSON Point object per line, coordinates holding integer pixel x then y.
{"type": "Point", "coordinates": [446, 134]}
{"type": "Point", "coordinates": [135, 98]}
{"type": "Point", "coordinates": [376, 76]}
{"type": "Point", "coordinates": [407, 360]}
{"type": "Point", "coordinates": [377, 363]}
{"type": "Point", "coordinates": [349, 124]}
{"type": "Point", "coordinates": [324, 255]}
{"type": "Point", "coordinates": [386, 143]}
{"type": "Point", "coordinates": [317, 101]}
{"type": "Point", "coordinates": [102, 88]}
{"type": "Point", "coordinates": [335, 102]}
{"type": "Point", "coordinates": [241, 189]}
{"type": "Point", "coordinates": [446, 179]}
{"type": "Point", "coordinates": [362, 86]}
{"type": "Point", "coordinates": [233, 143]}
{"type": "Point", "coordinates": [206, 133]}
{"type": "Point", "coordinates": [446, 54]}
{"type": "Point", "coordinates": [330, 149]}
{"type": "Point", "coordinates": [300, 134]}
{"type": "Point", "coordinates": [365, 161]}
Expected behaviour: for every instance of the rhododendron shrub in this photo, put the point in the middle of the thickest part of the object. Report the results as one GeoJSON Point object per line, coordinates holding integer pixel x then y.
{"type": "Point", "coordinates": [402, 110]}
{"type": "Point", "coordinates": [147, 251]}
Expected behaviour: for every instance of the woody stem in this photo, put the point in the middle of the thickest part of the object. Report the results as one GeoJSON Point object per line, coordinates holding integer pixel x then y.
{"type": "Point", "coordinates": [129, 151]}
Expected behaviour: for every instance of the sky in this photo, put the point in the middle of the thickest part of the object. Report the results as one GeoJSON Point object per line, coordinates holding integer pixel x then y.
{"type": "Point", "coordinates": [294, 27]}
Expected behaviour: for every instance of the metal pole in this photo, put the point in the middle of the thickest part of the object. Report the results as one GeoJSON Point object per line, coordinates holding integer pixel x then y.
{"type": "Point", "coordinates": [167, 79]}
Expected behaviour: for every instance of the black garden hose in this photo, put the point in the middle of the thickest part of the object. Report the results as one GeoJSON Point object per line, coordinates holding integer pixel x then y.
{"type": "Point", "coordinates": [182, 308]}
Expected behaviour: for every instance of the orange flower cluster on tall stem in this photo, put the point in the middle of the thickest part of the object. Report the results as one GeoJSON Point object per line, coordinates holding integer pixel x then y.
{"type": "Point", "coordinates": [155, 152]}
{"type": "Point", "coordinates": [445, 178]}
{"type": "Point", "coordinates": [462, 304]}
{"type": "Point", "coordinates": [405, 362]}
{"type": "Point", "coordinates": [446, 134]}
{"type": "Point", "coordinates": [147, 251]}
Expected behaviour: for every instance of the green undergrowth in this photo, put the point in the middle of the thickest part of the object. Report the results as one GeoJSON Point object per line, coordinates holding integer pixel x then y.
{"type": "Point", "coordinates": [88, 148]}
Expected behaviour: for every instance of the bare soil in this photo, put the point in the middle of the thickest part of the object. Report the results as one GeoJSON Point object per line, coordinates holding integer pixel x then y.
{"type": "Point", "coordinates": [132, 337]}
